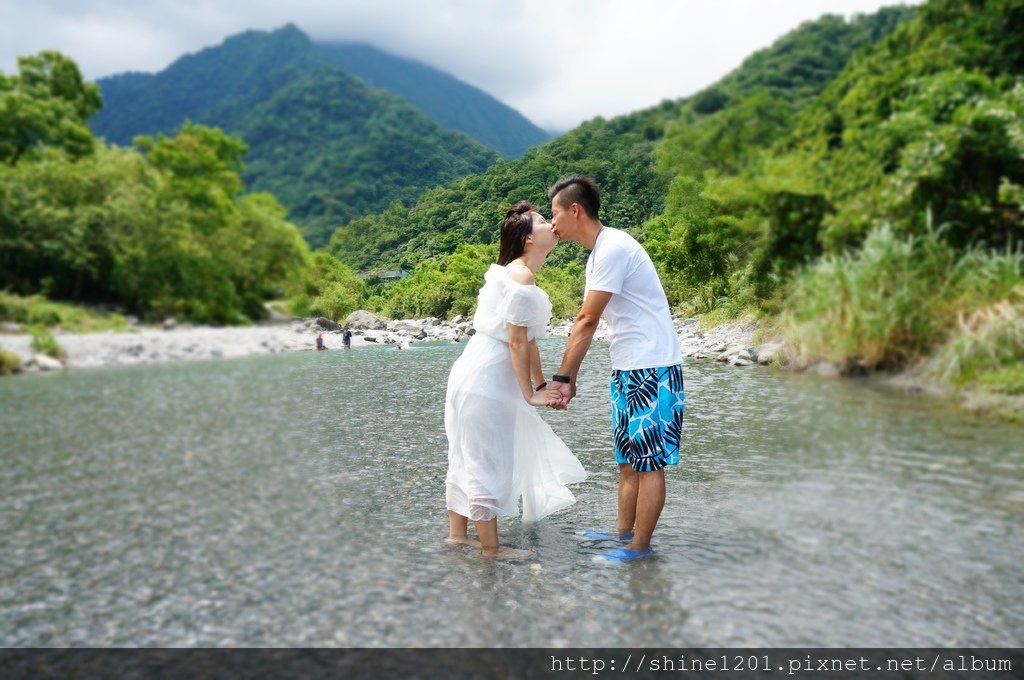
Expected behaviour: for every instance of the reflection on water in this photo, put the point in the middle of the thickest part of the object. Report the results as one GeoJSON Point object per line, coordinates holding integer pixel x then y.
{"type": "Point", "coordinates": [298, 500]}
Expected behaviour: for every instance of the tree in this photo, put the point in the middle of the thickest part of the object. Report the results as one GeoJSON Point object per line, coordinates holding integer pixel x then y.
{"type": "Point", "coordinates": [46, 104]}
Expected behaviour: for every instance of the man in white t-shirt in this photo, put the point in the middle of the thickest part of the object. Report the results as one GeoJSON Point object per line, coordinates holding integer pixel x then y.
{"type": "Point", "coordinates": [647, 376]}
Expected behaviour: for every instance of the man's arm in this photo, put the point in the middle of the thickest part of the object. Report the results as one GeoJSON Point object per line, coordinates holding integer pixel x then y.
{"type": "Point", "coordinates": [580, 337]}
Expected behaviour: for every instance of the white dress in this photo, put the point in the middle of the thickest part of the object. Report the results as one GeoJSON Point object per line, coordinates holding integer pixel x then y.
{"type": "Point", "coordinates": [499, 448]}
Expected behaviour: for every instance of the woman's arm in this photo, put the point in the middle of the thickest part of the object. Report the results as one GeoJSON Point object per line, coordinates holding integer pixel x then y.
{"type": "Point", "coordinates": [519, 348]}
{"type": "Point", "coordinates": [536, 372]}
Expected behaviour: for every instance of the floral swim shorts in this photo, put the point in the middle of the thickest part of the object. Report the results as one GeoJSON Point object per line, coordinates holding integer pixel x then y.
{"type": "Point", "coordinates": [647, 416]}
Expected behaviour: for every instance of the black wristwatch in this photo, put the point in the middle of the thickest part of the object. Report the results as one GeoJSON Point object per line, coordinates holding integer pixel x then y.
{"type": "Point", "coordinates": [561, 378]}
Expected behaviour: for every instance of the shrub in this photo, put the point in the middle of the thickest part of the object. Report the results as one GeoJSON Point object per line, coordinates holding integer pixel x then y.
{"type": "Point", "coordinates": [9, 363]}
{"type": "Point", "coordinates": [43, 342]}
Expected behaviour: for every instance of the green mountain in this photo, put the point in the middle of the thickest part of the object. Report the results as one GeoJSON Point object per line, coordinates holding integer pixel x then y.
{"type": "Point", "coordinates": [330, 147]}
{"type": "Point", "coordinates": [449, 101]}
{"type": "Point", "coordinates": [633, 157]}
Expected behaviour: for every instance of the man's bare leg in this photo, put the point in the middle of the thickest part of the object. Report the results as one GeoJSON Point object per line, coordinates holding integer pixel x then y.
{"type": "Point", "coordinates": [649, 503]}
{"type": "Point", "coordinates": [629, 486]}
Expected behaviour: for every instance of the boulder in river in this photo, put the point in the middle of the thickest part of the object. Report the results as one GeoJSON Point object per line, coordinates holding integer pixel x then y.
{"type": "Point", "coordinates": [326, 324]}
{"type": "Point", "coordinates": [366, 320]}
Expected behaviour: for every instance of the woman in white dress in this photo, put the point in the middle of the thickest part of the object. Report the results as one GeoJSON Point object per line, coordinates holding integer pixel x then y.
{"type": "Point", "coordinates": [499, 448]}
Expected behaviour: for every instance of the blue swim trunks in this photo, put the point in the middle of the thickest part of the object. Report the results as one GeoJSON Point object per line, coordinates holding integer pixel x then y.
{"type": "Point", "coordinates": [647, 416]}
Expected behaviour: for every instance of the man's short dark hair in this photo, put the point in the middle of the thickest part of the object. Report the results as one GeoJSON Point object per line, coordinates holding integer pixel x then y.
{"type": "Point", "coordinates": [580, 189]}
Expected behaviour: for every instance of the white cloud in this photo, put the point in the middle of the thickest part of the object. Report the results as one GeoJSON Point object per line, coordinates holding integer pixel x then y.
{"type": "Point", "coordinates": [558, 62]}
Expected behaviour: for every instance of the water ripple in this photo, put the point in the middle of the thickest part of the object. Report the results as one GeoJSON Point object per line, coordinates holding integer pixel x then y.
{"type": "Point", "coordinates": [297, 500]}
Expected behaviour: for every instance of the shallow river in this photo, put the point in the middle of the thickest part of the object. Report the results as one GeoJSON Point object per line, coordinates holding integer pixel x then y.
{"type": "Point", "coordinates": [298, 500]}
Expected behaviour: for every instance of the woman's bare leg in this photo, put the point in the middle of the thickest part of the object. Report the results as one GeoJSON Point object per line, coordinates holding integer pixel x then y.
{"type": "Point", "coordinates": [487, 530]}
{"type": "Point", "coordinates": [458, 530]}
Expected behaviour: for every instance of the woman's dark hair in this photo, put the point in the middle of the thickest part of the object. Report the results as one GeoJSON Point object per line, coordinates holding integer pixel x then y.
{"type": "Point", "coordinates": [517, 226]}
{"type": "Point", "coordinates": [581, 189]}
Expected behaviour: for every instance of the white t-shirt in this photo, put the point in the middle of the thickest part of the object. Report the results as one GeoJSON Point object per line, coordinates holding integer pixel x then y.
{"type": "Point", "coordinates": [640, 328]}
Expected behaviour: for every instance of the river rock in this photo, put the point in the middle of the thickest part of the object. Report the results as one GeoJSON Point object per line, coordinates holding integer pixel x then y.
{"type": "Point", "coordinates": [9, 327]}
{"type": "Point", "coordinates": [367, 320]}
{"type": "Point", "coordinates": [408, 327]}
{"type": "Point", "coordinates": [45, 363]}
{"type": "Point", "coordinates": [460, 319]}
{"type": "Point", "coordinates": [326, 324]}
{"type": "Point", "coordinates": [169, 324]}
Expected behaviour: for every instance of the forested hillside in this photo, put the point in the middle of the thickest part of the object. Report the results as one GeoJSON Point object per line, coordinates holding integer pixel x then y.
{"type": "Point", "coordinates": [748, 110]}
{"type": "Point", "coordinates": [322, 141]}
{"type": "Point", "coordinates": [860, 184]}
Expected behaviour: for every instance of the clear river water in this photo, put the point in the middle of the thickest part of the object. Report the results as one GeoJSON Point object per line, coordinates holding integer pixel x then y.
{"type": "Point", "coordinates": [298, 500]}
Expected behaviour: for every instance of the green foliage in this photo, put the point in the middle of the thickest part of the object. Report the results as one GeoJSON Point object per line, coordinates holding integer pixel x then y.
{"type": "Point", "coordinates": [739, 216]}
{"type": "Point", "coordinates": [1006, 380]}
{"type": "Point", "coordinates": [46, 105]}
{"type": "Point", "coordinates": [443, 287]}
{"type": "Point", "coordinates": [333, 291]}
{"type": "Point", "coordinates": [469, 211]}
{"type": "Point", "coordinates": [987, 348]}
{"type": "Point", "coordinates": [43, 342]}
{"type": "Point", "coordinates": [165, 232]}
{"type": "Point", "coordinates": [896, 299]}
{"type": "Point", "coordinates": [9, 363]}
{"type": "Point", "coordinates": [564, 286]}
{"type": "Point", "coordinates": [36, 310]}
{"type": "Point", "coordinates": [770, 169]}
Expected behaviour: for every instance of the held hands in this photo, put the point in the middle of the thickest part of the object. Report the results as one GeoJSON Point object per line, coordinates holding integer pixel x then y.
{"type": "Point", "coordinates": [562, 393]}
{"type": "Point", "coordinates": [545, 397]}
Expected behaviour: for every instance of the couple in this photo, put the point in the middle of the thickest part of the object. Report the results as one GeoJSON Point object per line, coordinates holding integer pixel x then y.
{"type": "Point", "coordinates": [499, 448]}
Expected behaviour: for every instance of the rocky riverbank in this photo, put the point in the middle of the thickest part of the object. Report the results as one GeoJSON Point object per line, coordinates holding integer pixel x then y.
{"type": "Point", "coordinates": [182, 342]}
{"type": "Point", "coordinates": [730, 342]}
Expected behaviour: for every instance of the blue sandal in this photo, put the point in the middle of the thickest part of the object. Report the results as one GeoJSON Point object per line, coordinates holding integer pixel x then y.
{"type": "Point", "coordinates": [595, 535]}
{"type": "Point", "coordinates": [622, 555]}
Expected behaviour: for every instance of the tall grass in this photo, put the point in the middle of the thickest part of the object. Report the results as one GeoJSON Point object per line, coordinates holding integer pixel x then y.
{"type": "Point", "coordinates": [896, 300]}
{"type": "Point", "coordinates": [36, 310]}
{"type": "Point", "coordinates": [987, 346]}
{"type": "Point", "coordinates": [43, 342]}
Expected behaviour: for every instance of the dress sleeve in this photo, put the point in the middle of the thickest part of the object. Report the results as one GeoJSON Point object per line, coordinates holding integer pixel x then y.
{"type": "Point", "coordinates": [523, 307]}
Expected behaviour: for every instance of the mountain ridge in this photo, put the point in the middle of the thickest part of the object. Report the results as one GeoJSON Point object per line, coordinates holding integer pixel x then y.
{"type": "Point", "coordinates": [453, 103]}
{"type": "Point", "coordinates": [387, 151]}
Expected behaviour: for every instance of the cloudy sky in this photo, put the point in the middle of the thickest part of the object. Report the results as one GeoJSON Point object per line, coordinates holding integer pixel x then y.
{"type": "Point", "coordinates": [559, 62]}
